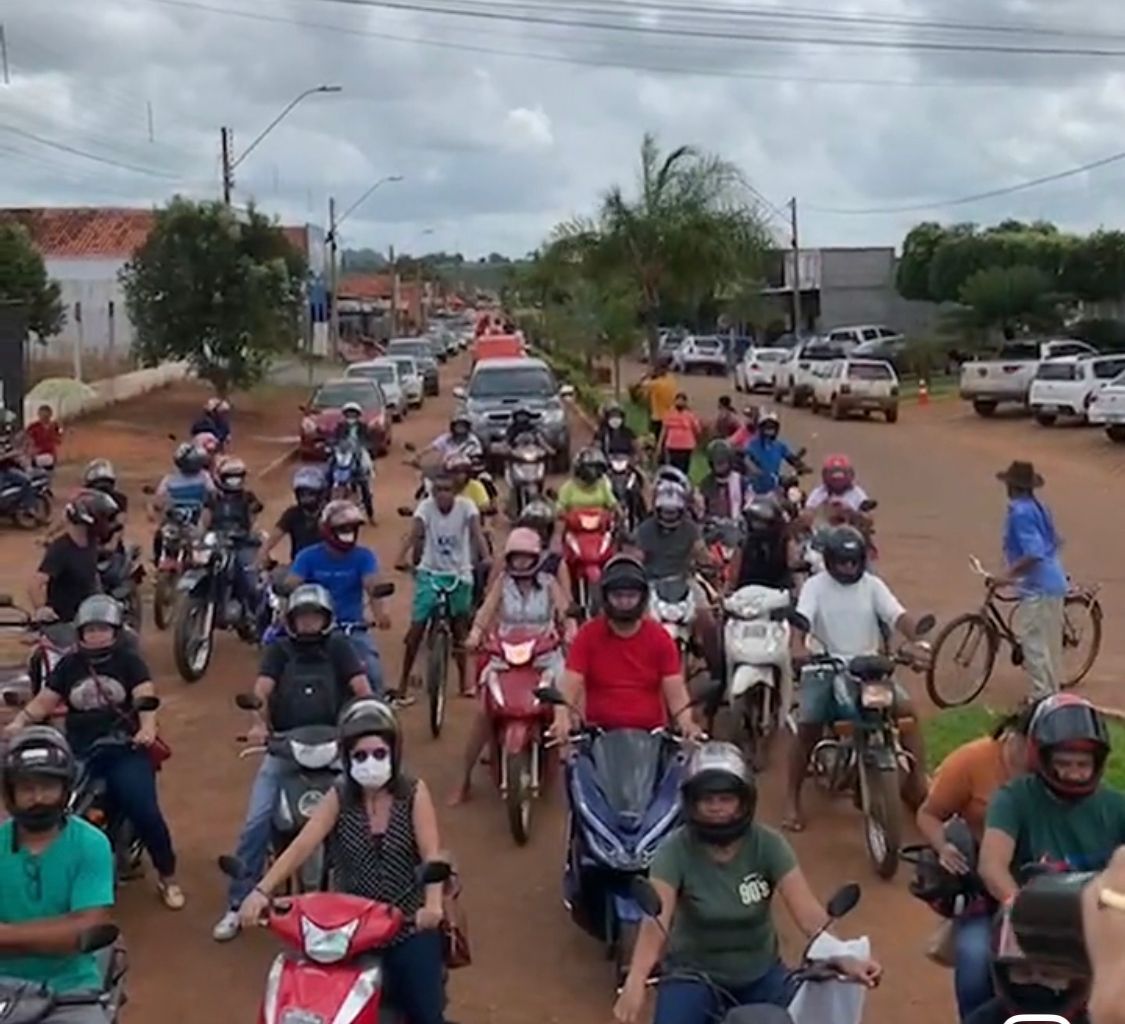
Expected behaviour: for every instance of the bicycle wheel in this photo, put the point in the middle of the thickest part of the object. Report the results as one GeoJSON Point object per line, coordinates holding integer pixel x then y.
{"type": "Point", "coordinates": [962, 639]}
{"type": "Point", "coordinates": [437, 675]}
{"type": "Point", "coordinates": [1082, 621]}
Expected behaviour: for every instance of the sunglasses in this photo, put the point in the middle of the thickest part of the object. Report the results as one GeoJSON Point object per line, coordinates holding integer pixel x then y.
{"type": "Point", "coordinates": [381, 754]}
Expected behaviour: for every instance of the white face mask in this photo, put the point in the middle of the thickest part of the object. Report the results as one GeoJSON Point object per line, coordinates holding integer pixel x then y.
{"type": "Point", "coordinates": [372, 774]}
{"type": "Point", "coordinates": [348, 536]}
{"type": "Point", "coordinates": [615, 422]}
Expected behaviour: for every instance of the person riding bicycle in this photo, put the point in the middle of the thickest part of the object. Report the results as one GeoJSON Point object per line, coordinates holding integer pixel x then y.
{"type": "Point", "coordinates": [848, 609]}
{"type": "Point", "coordinates": [352, 430]}
{"type": "Point", "coordinates": [458, 439]}
{"type": "Point", "coordinates": [72, 865]}
{"type": "Point", "coordinates": [766, 454]}
{"type": "Point", "coordinates": [724, 490]}
{"type": "Point", "coordinates": [350, 573]}
{"type": "Point", "coordinates": [304, 679]}
{"type": "Point", "coordinates": [300, 522]}
{"type": "Point", "coordinates": [445, 544]}
{"type": "Point", "coordinates": [837, 485]}
{"type": "Point", "coordinates": [459, 467]}
{"type": "Point", "coordinates": [716, 876]}
{"type": "Point", "coordinates": [233, 510]}
{"type": "Point", "coordinates": [614, 436]}
{"type": "Point", "coordinates": [98, 684]}
{"type": "Point", "coordinates": [765, 558]}
{"type": "Point", "coordinates": [190, 488]}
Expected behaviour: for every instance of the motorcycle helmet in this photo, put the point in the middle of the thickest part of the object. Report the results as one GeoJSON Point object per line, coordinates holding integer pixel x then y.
{"type": "Point", "coordinates": [769, 425]}
{"type": "Point", "coordinates": [718, 769]}
{"type": "Point", "coordinates": [211, 405]}
{"type": "Point", "coordinates": [96, 511]}
{"type": "Point", "coordinates": [762, 516]}
{"type": "Point", "coordinates": [540, 517]}
{"type": "Point", "coordinates": [1067, 723]}
{"type": "Point", "coordinates": [590, 465]}
{"type": "Point", "coordinates": [369, 716]}
{"type": "Point", "coordinates": [720, 457]}
{"type": "Point", "coordinates": [672, 475]}
{"type": "Point", "coordinates": [522, 419]}
{"type": "Point", "coordinates": [459, 466]}
{"type": "Point", "coordinates": [100, 475]}
{"type": "Point", "coordinates": [837, 474]}
{"type": "Point", "coordinates": [669, 502]}
{"type": "Point", "coordinates": [624, 589]}
{"type": "Point", "coordinates": [351, 411]}
{"type": "Point", "coordinates": [460, 426]}
{"type": "Point", "coordinates": [614, 416]}
{"type": "Point", "coordinates": [845, 554]}
{"type": "Point", "coordinates": [310, 597]}
{"type": "Point", "coordinates": [208, 444]}
{"type": "Point", "coordinates": [523, 553]}
{"type": "Point", "coordinates": [230, 474]}
{"type": "Point", "coordinates": [188, 459]}
{"type": "Point", "coordinates": [98, 610]}
{"type": "Point", "coordinates": [309, 488]}
{"type": "Point", "coordinates": [339, 524]}
{"type": "Point", "coordinates": [38, 752]}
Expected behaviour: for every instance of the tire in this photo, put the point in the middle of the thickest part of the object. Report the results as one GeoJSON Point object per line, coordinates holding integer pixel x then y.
{"type": "Point", "coordinates": [1116, 433]}
{"type": "Point", "coordinates": [27, 517]}
{"type": "Point", "coordinates": [163, 596]}
{"type": "Point", "coordinates": [799, 400]}
{"type": "Point", "coordinates": [135, 610]}
{"type": "Point", "coordinates": [1046, 419]}
{"type": "Point", "coordinates": [983, 407]}
{"type": "Point", "coordinates": [968, 623]}
{"type": "Point", "coordinates": [518, 799]}
{"type": "Point", "coordinates": [883, 823]}
{"type": "Point", "coordinates": [1094, 610]}
{"type": "Point", "coordinates": [837, 409]}
{"type": "Point", "coordinates": [891, 415]}
{"type": "Point", "coordinates": [437, 678]}
{"type": "Point", "coordinates": [187, 614]}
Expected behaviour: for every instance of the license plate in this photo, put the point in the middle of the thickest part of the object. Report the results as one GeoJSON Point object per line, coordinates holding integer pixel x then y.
{"type": "Point", "coordinates": [1049, 408]}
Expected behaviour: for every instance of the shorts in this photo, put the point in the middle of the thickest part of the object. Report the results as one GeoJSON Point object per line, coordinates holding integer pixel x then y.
{"type": "Point", "coordinates": [823, 697]}
{"type": "Point", "coordinates": [426, 585]}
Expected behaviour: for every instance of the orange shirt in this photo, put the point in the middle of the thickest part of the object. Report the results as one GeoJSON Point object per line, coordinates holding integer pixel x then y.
{"type": "Point", "coordinates": [966, 781]}
{"type": "Point", "coordinates": [681, 430]}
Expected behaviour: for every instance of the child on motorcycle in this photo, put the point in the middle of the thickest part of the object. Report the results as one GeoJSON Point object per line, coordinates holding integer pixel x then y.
{"type": "Point", "coordinates": [352, 430]}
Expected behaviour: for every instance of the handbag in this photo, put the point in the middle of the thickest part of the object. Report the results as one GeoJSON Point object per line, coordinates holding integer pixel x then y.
{"type": "Point", "coordinates": [158, 751]}
{"type": "Point", "coordinates": [454, 927]}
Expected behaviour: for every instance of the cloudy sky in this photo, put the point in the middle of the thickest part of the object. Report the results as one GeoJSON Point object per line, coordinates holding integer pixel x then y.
{"type": "Point", "coordinates": [505, 116]}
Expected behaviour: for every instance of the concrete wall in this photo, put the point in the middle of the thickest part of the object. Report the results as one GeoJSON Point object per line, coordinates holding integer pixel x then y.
{"type": "Point", "coordinates": [92, 283]}
{"type": "Point", "coordinates": [70, 399]}
{"type": "Point", "coordinates": [858, 287]}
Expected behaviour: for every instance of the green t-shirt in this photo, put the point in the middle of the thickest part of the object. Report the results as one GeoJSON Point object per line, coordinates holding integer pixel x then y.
{"type": "Point", "coordinates": [722, 925]}
{"type": "Point", "coordinates": [74, 873]}
{"type": "Point", "coordinates": [1080, 835]}
{"type": "Point", "coordinates": [575, 494]}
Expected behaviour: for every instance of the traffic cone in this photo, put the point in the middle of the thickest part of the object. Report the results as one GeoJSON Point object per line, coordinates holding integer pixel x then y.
{"type": "Point", "coordinates": [923, 392]}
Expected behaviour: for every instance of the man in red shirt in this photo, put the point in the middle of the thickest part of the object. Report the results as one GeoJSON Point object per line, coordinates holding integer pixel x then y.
{"type": "Point", "coordinates": [624, 662]}
{"type": "Point", "coordinates": [44, 435]}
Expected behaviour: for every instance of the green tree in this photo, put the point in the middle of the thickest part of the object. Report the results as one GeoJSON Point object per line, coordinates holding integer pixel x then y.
{"type": "Point", "coordinates": [1009, 298]}
{"type": "Point", "coordinates": [24, 281]}
{"type": "Point", "coordinates": [912, 275]}
{"type": "Point", "coordinates": [218, 289]}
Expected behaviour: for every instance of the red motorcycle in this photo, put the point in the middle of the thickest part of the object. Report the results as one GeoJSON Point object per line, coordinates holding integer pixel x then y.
{"type": "Point", "coordinates": [518, 720]}
{"type": "Point", "coordinates": [589, 545]}
{"type": "Point", "coordinates": [335, 975]}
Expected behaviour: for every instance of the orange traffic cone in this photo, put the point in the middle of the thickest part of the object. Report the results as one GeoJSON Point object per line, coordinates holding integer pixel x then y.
{"type": "Point", "coordinates": [923, 392]}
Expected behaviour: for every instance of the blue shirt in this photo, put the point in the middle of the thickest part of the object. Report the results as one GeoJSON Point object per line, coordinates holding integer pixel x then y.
{"type": "Point", "coordinates": [341, 573]}
{"type": "Point", "coordinates": [769, 456]}
{"type": "Point", "coordinates": [1029, 531]}
{"type": "Point", "coordinates": [186, 491]}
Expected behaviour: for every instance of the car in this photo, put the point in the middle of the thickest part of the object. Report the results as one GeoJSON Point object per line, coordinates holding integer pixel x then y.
{"type": "Point", "coordinates": [843, 386]}
{"type": "Point", "coordinates": [498, 387]}
{"type": "Point", "coordinates": [706, 352]}
{"type": "Point", "coordinates": [862, 334]}
{"type": "Point", "coordinates": [668, 344]}
{"type": "Point", "coordinates": [755, 371]}
{"type": "Point", "coordinates": [1107, 408]}
{"type": "Point", "coordinates": [442, 341]}
{"type": "Point", "coordinates": [423, 352]}
{"type": "Point", "coordinates": [322, 414]}
{"type": "Point", "coordinates": [791, 376]}
{"type": "Point", "coordinates": [389, 376]}
{"type": "Point", "coordinates": [886, 350]}
{"type": "Point", "coordinates": [413, 384]}
{"type": "Point", "coordinates": [1066, 386]}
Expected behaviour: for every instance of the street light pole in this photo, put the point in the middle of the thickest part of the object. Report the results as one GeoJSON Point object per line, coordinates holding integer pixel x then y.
{"type": "Point", "coordinates": [796, 269]}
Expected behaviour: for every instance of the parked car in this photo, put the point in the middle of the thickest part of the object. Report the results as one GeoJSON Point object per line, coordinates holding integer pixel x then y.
{"type": "Point", "coordinates": [1067, 385]}
{"type": "Point", "coordinates": [864, 333]}
{"type": "Point", "coordinates": [706, 352]}
{"type": "Point", "coordinates": [989, 382]}
{"type": "Point", "coordinates": [1107, 408]}
{"type": "Point", "coordinates": [499, 386]}
{"type": "Point", "coordinates": [792, 376]}
{"type": "Point", "coordinates": [850, 385]}
{"type": "Point", "coordinates": [413, 383]}
{"type": "Point", "coordinates": [423, 352]}
{"type": "Point", "coordinates": [389, 376]}
{"type": "Point", "coordinates": [669, 341]}
{"type": "Point", "coordinates": [322, 415]}
{"type": "Point", "coordinates": [755, 371]}
{"type": "Point", "coordinates": [886, 350]}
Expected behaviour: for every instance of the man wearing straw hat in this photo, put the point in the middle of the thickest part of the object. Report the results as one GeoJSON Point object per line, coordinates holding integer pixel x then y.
{"type": "Point", "coordinates": [1031, 550]}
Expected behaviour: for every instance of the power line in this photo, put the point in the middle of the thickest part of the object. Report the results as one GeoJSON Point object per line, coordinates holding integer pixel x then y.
{"type": "Point", "coordinates": [62, 146]}
{"type": "Point", "coordinates": [978, 196]}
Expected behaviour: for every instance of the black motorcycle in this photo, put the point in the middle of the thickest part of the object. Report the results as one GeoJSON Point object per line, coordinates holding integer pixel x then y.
{"type": "Point", "coordinates": [628, 487]}
{"type": "Point", "coordinates": [27, 498]}
{"type": "Point", "coordinates": [121, 572]}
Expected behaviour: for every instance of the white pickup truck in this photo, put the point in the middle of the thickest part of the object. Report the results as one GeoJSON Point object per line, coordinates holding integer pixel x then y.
{"type": "Point", "coordinates": [1007, 378]}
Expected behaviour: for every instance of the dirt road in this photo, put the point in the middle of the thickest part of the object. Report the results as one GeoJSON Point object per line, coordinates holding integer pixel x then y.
{"type": "Point", "coordinates": [933, 476]}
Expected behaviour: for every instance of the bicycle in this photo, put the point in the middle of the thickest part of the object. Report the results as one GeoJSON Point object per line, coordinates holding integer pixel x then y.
{"type": "Point", "coordinates": [991, 626]}
{"type": "Point", "coordinates": [439, 648]}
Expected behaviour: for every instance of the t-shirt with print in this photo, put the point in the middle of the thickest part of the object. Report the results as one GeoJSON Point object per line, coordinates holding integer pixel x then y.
{"type": "Point", "coordinates": [73, 874]}
{"type": "Point", "coordinates": [341, 573]}
{"type": "Point", "coordinates": [1075, 835]}
{"type": "Point", "coordinates": [447, 549]}
{"type": "Point", "coordinates": [72, 575]}
{"type": "Point", "coordinates": [576, 494]}
{"type": "Point", "coordinates": [722, 926]}
{"type": "Point", "coordinates": [98, 695]}
{"type": "Point", "coordinates": [845, 618]}
{"type": "Point", "coordinates": [667, 553]}
{"type": "Point", "coordinates": [301, 527]}
{"type": "Point", "coordinates": [966, 781]}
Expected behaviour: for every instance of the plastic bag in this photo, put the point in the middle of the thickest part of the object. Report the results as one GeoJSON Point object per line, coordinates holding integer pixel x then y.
{"type": "Point", "coordinates": [840, 1002]}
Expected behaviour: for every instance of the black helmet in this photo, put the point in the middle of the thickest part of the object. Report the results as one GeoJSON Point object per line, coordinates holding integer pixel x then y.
{"type": "Point", "coordinates": [539, 516]}
{"type": "Point", "coordinates": [100, 475]}
{"type": "Point", "coordinates": [720, 457]}
{"type": "Point", "coordinates": [460, 425]}
{"type": "Point", "coordinates": [95, 510]}
{"type": "Point", "coordinates": [719, 768]}
{"type": "Point", "coordinates": [613, 411]}
{"type": "Point", "coordinates": [310, 597]}
{"type": "Point", "coordinates": [309, 488]}
{"type": "Point", "coordinates": [590, 465]}
{"type": "Point", "coordinates": [369, 716]}
{"type": "Point", "coordinates": [762, 515]}
{"type": "Point", "coordinates": [189, 459]}
{"type": "Point", "coordinates": [845, 554]}
{"type": "Point", "coordinates": [1067, 722]}
{"type": "Point", "coordinates": [623, 574]}
{"type": "Point", "coordinates": [38, 752]}
{"type": "Point", "coordinates": [522, 415]}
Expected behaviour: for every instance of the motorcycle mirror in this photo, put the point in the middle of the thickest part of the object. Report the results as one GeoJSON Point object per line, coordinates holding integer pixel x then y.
{"type": "Point", "coordinates": [925, 625]}
{"type": "Point", "coordinates": [381, 590]}
{"type": "Point", "coordinates": [869, 505]}
{"type": "Point", "coordinates": [550, 695]}
{"type": "Point", "coordinates": [644, 894]}
{"type": "Point", "coordinates": [434, 872]}
{"type": "Point", "coordinates": [248, 701]}
{"type": "Point", "coordinates": [232, 867]}
{"type": "Point", "coordinates": [6, 601]}
{"type": "Point", "coordinates": [146, 703]}
{"type": "Point", "coordinates": [797, 620]}
{"type": "Point", "coordinates": [12, 699]}
{"type": "Point", "coordinates": [98, 937]}
{"type": "Point", "coordinates": [405, 511]}
{"type": "Point", "coordinates": [410, 446]}
{"type": "Point", "coordinates": [843, 901]}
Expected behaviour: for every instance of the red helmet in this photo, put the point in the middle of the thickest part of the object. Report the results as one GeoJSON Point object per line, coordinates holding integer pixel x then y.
{"type": "Point", "coordinates": [1067, 722]}
{"type": "Point", "coordinates": [340, 523]}
{"type": "Point", "coordinates": [838, 473]}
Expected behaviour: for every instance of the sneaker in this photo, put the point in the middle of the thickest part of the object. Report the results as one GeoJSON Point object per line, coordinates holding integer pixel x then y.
{"type": "Point", "coordinates": [227, 927]}
{"type": "Point", "coordinates": [171, 894]}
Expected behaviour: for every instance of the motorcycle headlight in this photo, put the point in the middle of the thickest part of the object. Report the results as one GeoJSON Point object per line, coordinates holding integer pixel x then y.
{"type": "Point", "coordinates": [327, 945]}
{"type": "Point", "coordinates": [210, 539]}
{"type": "Point", "coordinates": [314, 756]}
{"type": "Point", "coordinates": [553, 415]}
{"type": "Point", "coordinates": [619, 464]}
{"type": "Point", "coordinates": [518, 654]}
{"type": "Point", "coordinates": [877, 695]}
{"type": "Point", "coordinates": [308, 426]}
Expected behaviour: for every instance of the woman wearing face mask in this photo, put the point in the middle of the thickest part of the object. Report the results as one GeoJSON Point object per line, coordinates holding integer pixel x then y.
{"type": "Point", "coordinates": [614, 436]}
{"type": "Point", "coordinates": [381, 826]}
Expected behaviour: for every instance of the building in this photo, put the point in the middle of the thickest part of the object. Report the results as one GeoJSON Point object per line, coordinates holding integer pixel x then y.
{"type": "Point", "coordinates": [366, 300]}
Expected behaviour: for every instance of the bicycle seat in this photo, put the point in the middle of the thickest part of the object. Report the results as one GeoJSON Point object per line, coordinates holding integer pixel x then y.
{"type": "Point", "coordinates": [871, 667]}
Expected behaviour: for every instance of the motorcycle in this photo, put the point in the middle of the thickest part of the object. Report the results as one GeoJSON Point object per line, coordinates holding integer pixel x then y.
{"type": "Point", "coordinates": [335, 973]}
{"type": "Point", "coordinates": [723, 538]}
{"type": "Point", "coordinates": [176, 543]}
{"type": "Point", "coordinates": [312, 767]}
{"type": "Point", "coordinates": [15, 635]}
{"type": "Point", "coordinates": [673, 606]}
{"type": "Point", "coordinates": [517, 719]}
{"type": "Point", "coordinates": [589, 545]}
{"type": "Point", "coordinates": [527, 474]}
{"type": "Point", "coordinates": [27, 499]}
{"type": "Point", "coordinates": [345, 469]}
{"type": "Point", "coordinates": [121, 572]}
{"type": "Point", "coordinates": [865, 757]}
{"type": "Point", "coordinates": [628, 488]}
{"type": "Point", "coordinates": [759, 670]}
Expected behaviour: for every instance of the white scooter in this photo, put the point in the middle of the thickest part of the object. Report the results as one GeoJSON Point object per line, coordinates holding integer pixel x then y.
{"type": "Point", "coordinates": [759, 668]}
{"type": "Point", "coordinates": [673, 606]}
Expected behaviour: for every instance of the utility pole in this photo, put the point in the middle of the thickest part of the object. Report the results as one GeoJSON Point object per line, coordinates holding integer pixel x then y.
{"type": "Point", "coordinates": [4, 54]}
{"type": "Point", "coordinates": [394, 292]}
{"type": "Point", "coordinates": [421, 325]}
{"type": "Point", "coordinates": [333, 278]}
{"type": "Point", "coordinates": [228, 171]}
{"type": "Point", "coordinates": [151, 127]}
{"type": "Point", "coordinates": [796, 268]}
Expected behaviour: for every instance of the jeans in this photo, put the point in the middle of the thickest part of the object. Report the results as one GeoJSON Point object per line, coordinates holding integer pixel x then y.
{"type": "Point", "coordinates": [1038, 623]}
{"type": "Point", "coordinates": [416, 978]}
{"type": "Point", "coordinates": [245, 580]}
{"type": "Point", "coordinates": [131, 787]}
{"type": "Point", "coordinates": [685, 1001]}
{"type": "Point", "coordinates": [363, 643]}
{"type": "Point", "coordinates": [254, 842]}
{"type": "Point", "coordinates": [680, 458]}
{"type": "Point", "coordinates": [972, 972]}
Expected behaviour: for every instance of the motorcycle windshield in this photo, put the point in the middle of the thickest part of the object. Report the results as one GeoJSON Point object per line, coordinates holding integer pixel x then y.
{"type": "Point", "coordinates": [627, 767]}
{"type": "Point", "coordinates": [672, 589]}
